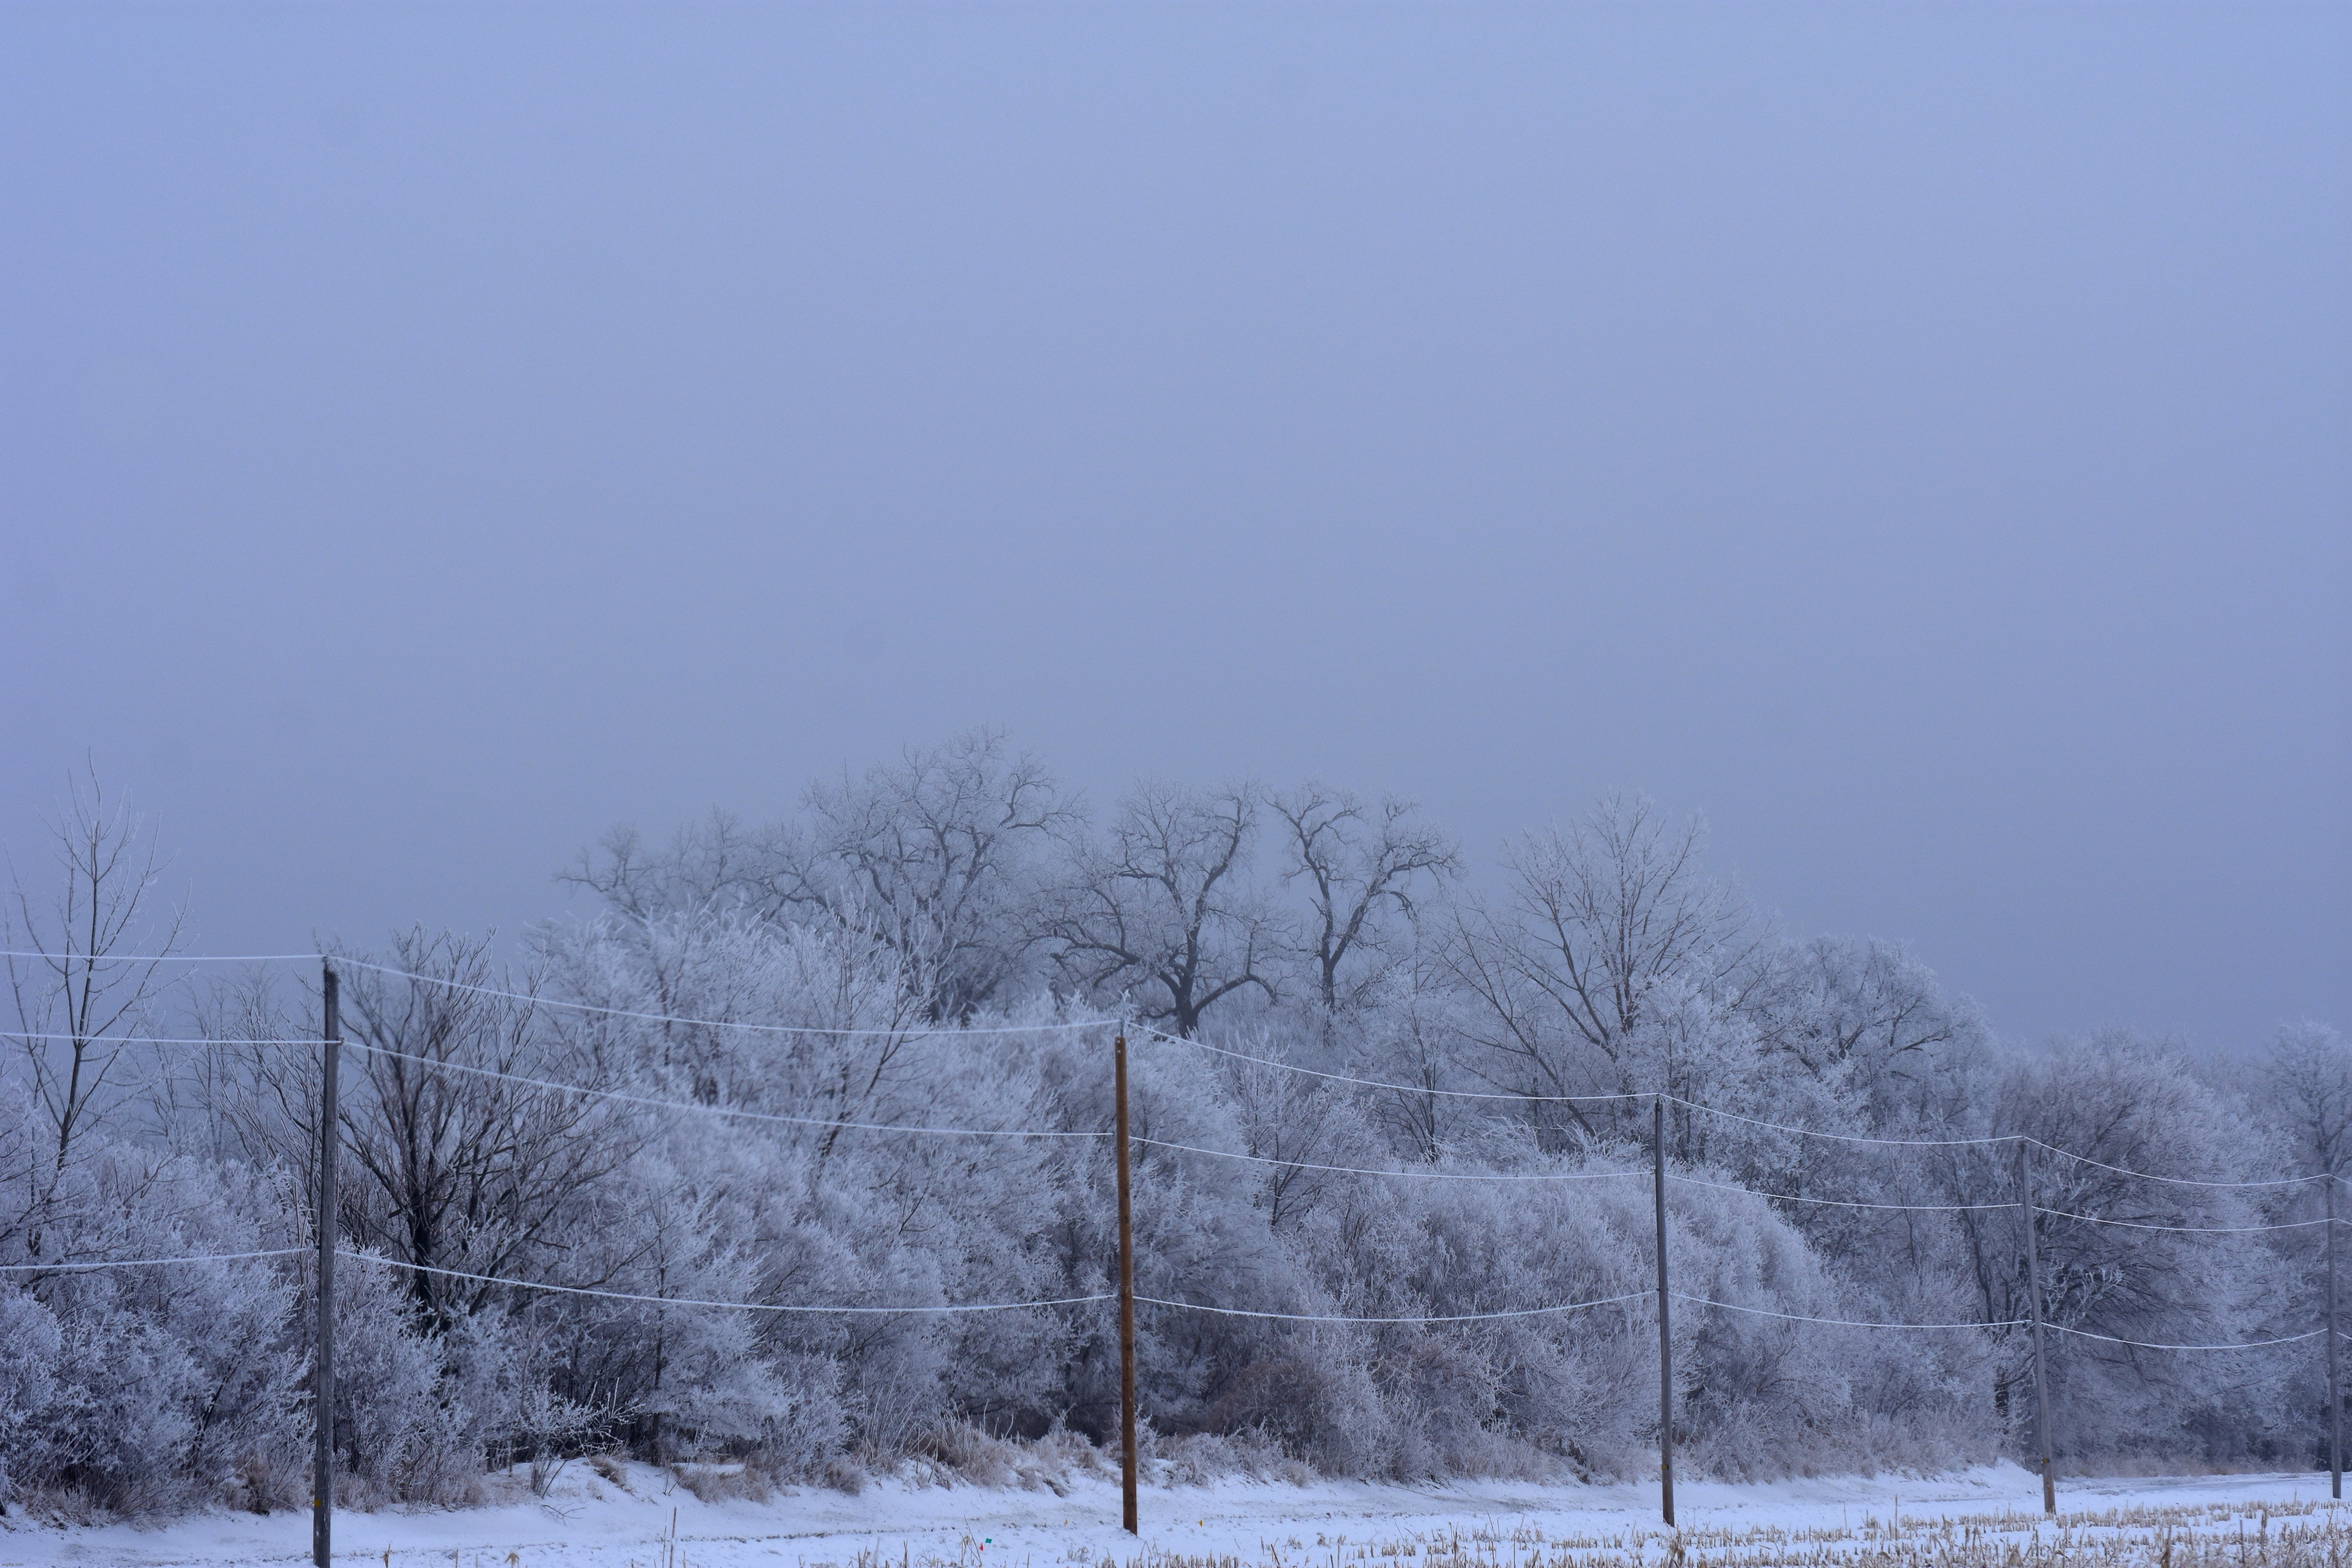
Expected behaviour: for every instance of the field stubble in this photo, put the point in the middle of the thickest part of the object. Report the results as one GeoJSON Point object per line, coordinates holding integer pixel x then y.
{"type": "Point", "coordinates": [2272, 1534]}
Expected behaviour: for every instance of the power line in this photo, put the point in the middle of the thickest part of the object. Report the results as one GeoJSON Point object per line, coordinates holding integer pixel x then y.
{"type": "Point", "coordinates": [1377, 1083]}
{"type": "Point", "coordinates": [1838, 1136]}
{"type": "Point", "coordinates": [166, 957]}
{"type": "Point", "coordinates": [693, 1301]}
{"type": "Point", "coordinates": [88, 1266]}
{"type": "Point", "coordinates": [145, 1039]}
{"type": "Point", "coordinates": [720, 1023]}
{"type": "Point", "coordinates": [349, 962]}
{"type": "Point", "coordinates": [1981, 1141]}
{"type": "Point", "coordinates": [149, 1262]}
{"type": "Point", "coordinates": [732, 1112]}
{"type": "Point", "coordinates": [1416, 1318]}
{"type": "Point", "coordinates": [1831, 1203]}
{"type": "Point", "coordinates": [2144, 1345]}
{"type": "Point", "coordinates": [2182, 1229]}
{"type": "Point", "coordinates": [1838, 1322]}
{"type": "Point", "coordinates": [2007, 1323]}
{"type": "Point", "coordinates": [1090, 1023]}
{"type": "Point", "coordinates": [2176, 1181]}
{"type": "Point", "coordinates": [1367, 1170]}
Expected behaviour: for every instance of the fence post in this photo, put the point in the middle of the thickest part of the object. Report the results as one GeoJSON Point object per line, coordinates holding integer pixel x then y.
{"type": "Point", "coordinates": [1665, 1320]}
{"type": "Point", "coordinates": [322, 1450]}
{"type": "Point", "coordinates": [2033, 1299]}
{"type": "Point", "coordinates": [1126, 1302]}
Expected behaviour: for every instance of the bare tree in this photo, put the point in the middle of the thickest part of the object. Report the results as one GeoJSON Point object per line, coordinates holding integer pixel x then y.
{"type": "Point", "coordinates": [1864, 1018]}
{"type": "Point", "coordinates": [1165, 903]}
{"type": "Point", "coordinates": [716, 865]}
{"type": "Point", "coordinates": [80, 998]}
{"type": "Point", "coordinates": [2118, 1103]}
{"type": "Point", "coordinates": [1359, 862]}
{"type": "Point", "coordinates": [467, 1165]}
{"type": "Point", "coordinates": [938, 853]}
{"type": "Point", "coordinates": [1410, 1040]}
{"type": "Point", "coordinates": [1595, 919]}
{"type": "Point", "coordinates": [1300, 1127]}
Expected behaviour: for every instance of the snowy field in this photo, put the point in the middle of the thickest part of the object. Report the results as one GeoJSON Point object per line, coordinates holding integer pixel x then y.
{"type": "Point", "coordinates": [649, 1520]}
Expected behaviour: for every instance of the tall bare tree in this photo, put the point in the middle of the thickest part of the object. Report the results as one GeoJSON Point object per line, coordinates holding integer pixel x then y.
{"type": "Point", "coordinates": [80, 997]}
{"type": "Point", "coordinates": [1595, 919]}
{"type": "Point", "coordinates": [717, 864]}
{"type": "Point", "coordinates": [1165, 904]}
{"type": "Point", "coordinates": [1359, 863]}
{"type": "Point", "coordinates": [940, 854]}
{"type": "Point", "coordinates": [468, 1163]}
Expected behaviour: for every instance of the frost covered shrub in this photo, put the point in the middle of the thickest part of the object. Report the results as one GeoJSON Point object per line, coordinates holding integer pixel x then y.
{"type": "Point", "coordinates": [148, 1390]}
{"type": "Point", "coordinates": [417, 1409]}
{"type": "Point", "coordinates": [1764, 1395]}
{"type": "Point", "coordinates": [29, 1343]}
{"type": "Point", "coordinates": [118, 1420]}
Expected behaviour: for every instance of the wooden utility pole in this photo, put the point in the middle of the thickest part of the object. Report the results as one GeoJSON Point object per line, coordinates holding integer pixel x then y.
{"type": "Point", "coordinates": [2033, 1297]}
{"type": "Point", "coordinates": [1126, 1304]}
{"type": "Point", "coordinates": [322, 1450]}
{"type": "Point", "coordinates": [1665, 1319]}
{"type": "Point", "coordinates": [2334, 1388]}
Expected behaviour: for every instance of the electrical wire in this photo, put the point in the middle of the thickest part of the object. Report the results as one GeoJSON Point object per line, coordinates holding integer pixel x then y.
{"type": "Point", "coordinates": [145, 1039]}
{"type": "Point", "coordinates": [1377, 1083]}
{"type": "Point", "coordinates": [2176, 1181]}
{"type": "Point", "coordinates": [166, 957]}
{"type": "Point", "coordinates": [1417, 1318]}
{"type": "Point", "coordinates": [1831, 1203]}
{"type": "Point", "coordinates": [1713, 1111]}
{"type": "Point", "coordinates": [1837, 1137]}
{"type": "Point", "coordinates": [151, 1262]}
{"type": "Point", "coordinates": [638, 1299]}
{"type": "Point", "coordinates": [1367, 1170]}
{"type": "Point", "coordinates": [346, 961]}
{"type": "Point", "coordinates": [1098, 1024]}
{"type": "Point", "coordinates": [720, 1111]}
{"type": "Point", "coordinates": [909, 1032]}
{"type": "Point", "coordinates": [2180, 1229]}
{"type": "Point", "coordinates": [694, 1301]}
{"type": "Point", "coordinates": [1837, 1322]}
{"type": "Point", "coordinates": [2144, 1345]}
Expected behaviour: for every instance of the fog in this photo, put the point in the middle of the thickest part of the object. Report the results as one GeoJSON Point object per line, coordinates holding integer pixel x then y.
{"type": "Point", "coordinates": [1913, 437]}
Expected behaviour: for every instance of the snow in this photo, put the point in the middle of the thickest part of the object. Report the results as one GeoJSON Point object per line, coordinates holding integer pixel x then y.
{"type": "Point", "coordinates": [595, 1523]}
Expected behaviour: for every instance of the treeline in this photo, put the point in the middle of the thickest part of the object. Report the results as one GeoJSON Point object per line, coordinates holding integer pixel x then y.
{"type": "Point", "coordinates": [860, 1058]}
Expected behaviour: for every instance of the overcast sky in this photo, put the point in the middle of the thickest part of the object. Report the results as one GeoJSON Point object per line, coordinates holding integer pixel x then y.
{"type": "Point", "coordinates": [1913, 436]}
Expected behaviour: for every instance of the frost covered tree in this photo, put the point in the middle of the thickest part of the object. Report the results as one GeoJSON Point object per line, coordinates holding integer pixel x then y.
{"type": "Point", "coordinates": [1566, 967]}
{"type": "Point", "coordinates": [2124, 1256]}
{"type": "Point", "coordinates": [1162, 910]}
{"type": "Point", "coordinates": [79, 1001]}
{"type": "Point", "coordinates": [1866, 1021]}
{"type": "Point", "coordinates": [941, 854]}
{"type": "Point", "coordinates": [1359, 866]}
{"type": "Point", "coordinates": [2306, 1080]}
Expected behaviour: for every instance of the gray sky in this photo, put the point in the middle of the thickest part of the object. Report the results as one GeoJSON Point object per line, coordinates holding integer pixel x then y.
{"type": "Point", "coordinates": [1914, 436]}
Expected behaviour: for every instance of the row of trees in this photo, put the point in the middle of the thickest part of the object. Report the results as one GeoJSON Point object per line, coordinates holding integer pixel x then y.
{"type": "Point", "coordinates": [688, 1097]}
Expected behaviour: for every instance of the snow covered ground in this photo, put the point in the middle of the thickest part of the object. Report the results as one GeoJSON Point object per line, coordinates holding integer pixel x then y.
{"type": "Point", "coordinates": [651, 1521]}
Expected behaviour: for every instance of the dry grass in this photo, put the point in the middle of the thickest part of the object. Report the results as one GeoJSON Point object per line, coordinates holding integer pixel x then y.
{"type": "Point", "coordinates": [2273, 1535]}
{"type": "Point", "coordinates": [2218, 1535]}
{"type": "Point", "coordinates": [719, 1483]}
